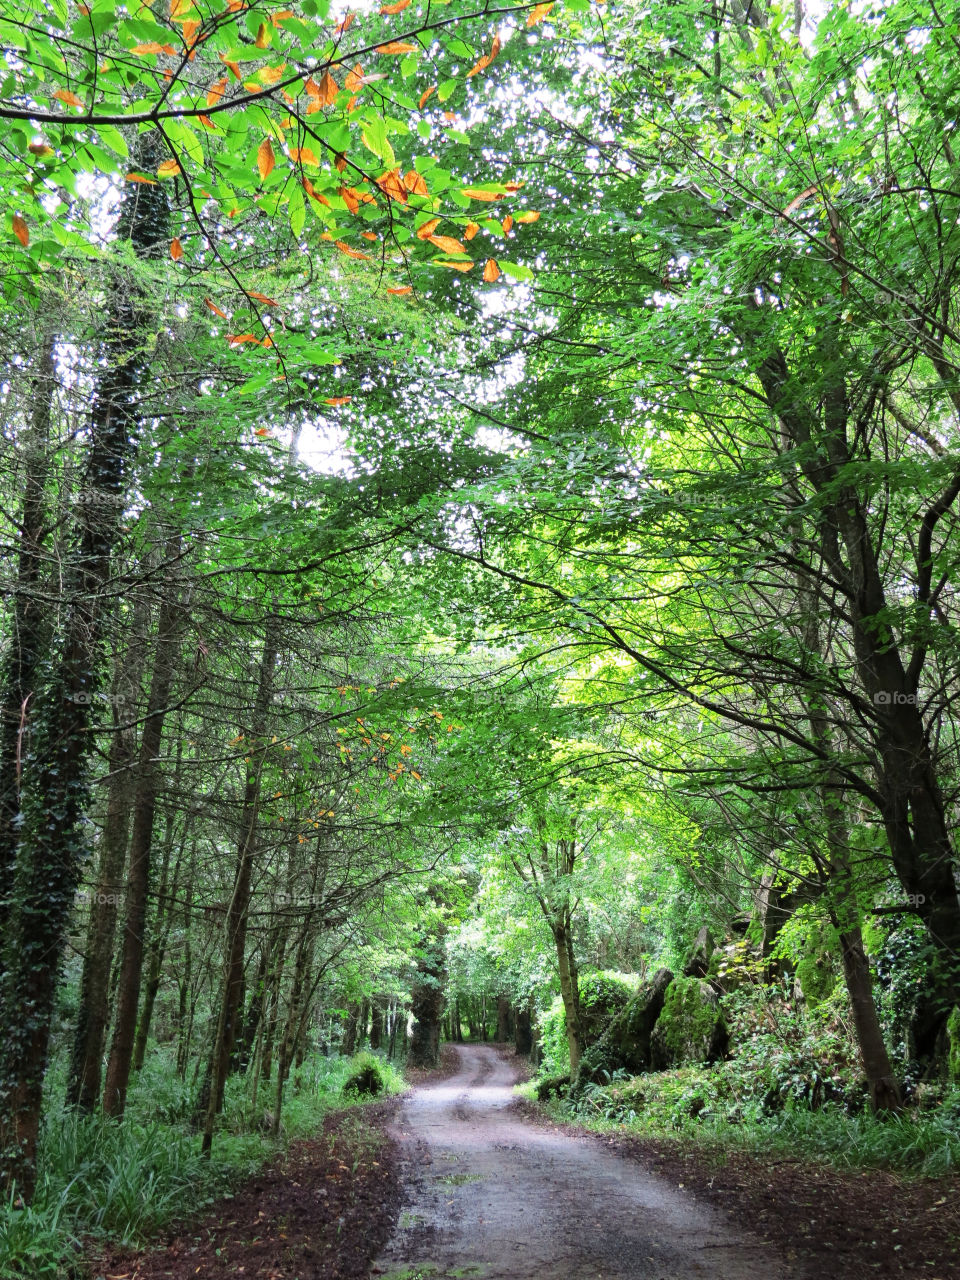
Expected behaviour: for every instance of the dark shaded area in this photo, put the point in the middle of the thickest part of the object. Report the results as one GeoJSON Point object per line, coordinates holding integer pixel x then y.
{"type": "Point", "coordinates": [322, 1212]}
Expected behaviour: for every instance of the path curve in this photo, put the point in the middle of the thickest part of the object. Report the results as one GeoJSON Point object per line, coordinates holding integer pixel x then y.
{"type": "Point", "coordinates": [492, 1196]}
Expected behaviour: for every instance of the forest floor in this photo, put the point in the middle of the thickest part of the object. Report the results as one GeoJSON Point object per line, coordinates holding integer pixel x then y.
{"type": "Point", "coordinates": [321, 1211]}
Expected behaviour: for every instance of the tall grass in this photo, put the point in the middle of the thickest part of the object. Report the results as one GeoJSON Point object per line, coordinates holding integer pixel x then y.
{"type": "Point", "coordinates": [123, 1182]}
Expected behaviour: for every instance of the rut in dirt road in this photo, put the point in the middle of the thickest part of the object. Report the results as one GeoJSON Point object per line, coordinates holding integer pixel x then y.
{"type": "Point", "coordinates": [492, 1196]}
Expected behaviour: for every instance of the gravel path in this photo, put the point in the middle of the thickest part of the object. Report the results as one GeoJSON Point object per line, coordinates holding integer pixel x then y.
{"type": "Point", "coordinates": [491, 1196]}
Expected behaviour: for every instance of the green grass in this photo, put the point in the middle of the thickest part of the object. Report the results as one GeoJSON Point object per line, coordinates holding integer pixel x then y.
{"type": "Point", "coordinates": [718, 1107]}
{"type": "Point", "coordinates": [124, 1182]}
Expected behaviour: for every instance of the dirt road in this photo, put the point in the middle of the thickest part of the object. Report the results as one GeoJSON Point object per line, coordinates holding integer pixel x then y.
{"type": "Point", "coordinates": [493, 1196]}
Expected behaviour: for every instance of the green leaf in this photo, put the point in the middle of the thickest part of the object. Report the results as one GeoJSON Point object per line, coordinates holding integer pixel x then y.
{"type": "Point", "coordinates": [298, 210]}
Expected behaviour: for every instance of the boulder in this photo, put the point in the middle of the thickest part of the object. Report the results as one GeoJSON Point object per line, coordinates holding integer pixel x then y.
{"type": "Point", "coordinates": [697, 961]}
{"type": "Point", "coordinates": [625, 1044]}
{"type": "Point", "coordinates": [691, 1027]}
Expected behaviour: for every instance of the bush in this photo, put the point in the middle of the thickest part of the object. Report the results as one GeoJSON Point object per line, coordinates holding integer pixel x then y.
{"type": "Point", "coordinates": [366, 1078]}
{"type": "Point", "coordinates": [603, 993]}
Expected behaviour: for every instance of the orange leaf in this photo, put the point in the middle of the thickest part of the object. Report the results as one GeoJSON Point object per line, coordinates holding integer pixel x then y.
{"type": "Point", "coordinates": [138, 177]}
{"type": "Point", "coordinates": [354, 80]}
{"type": "Point", "coordinates": [428, 228]}
{"type": "Point", "coordinates": [349, 198]}
{"type": "Point", "coordinates": [486, 59]}
{"type": "Point", "coordinates": [407, 288]}
{"type": "Point", "coordinates": [471, 230]}
{"type": "Point", "coordinates": [178, 7]}
{"type": "Point", "coordinates": [271, 75]}
{"type": "Point", "coordinates": [69, 98]}
{"type": "Point", "coordinates": [20, 230]}
{"type": "Point", "coordinates": [415, 184]}
{"type": "Point", "coordinates": [207, 123]}
{"type": "Point", "coordinates": [491, 271]}
{"type": "Point", "coordinates": [531, 216]}
{"type": "Point", "coordinates": [215, 309]}
{"type": "Point", "coordinates": [262, 431]}
{"type": "Point", "coordinates": [176, 249]}
{"type": "Point", "coordinates": [390, 184]}
{"type": "Point", "coordinates": [263, 36]}
{"type": "Point", "coordinates": [168, 169]}
{"type": "Point", "coordinates": [235, 339]}
{"type": "Point", "coordinates": [265, 159]}
{"type": "Point", "coordinates": [308, 188]}
{"type": "Point", "coordinates": [234, 67]}
{"type": "Point", "coordinates": [190, 29]}
{"type": "Point", "coordinates": [475, 193]}
{"type": "Point", "coordinates": [303, 155]}
{"type": "Point", "coordinates": [397, 46]}
{"type": "Point", "coordinates": [368, 235]}
{"type": "Point", "coordinates": [352, 103]}
{"type": "Point", "coordinates": [216, 92]}
{"type": "Point", "coordinates": [341, 27]}
{"type": "Point", "coordinates": [351, 253]}
{"type": "Point", "coordinates": [538, 13]}
{"type": "Point", "coordinates": [340, 163]}
{"type": "Point", "coordinates": [262, 297]}
{"type": "Point", "coordinates": [507, 223]}
{"type": "Point", "coordinates": [327, 90]}
{"type": "Point", "coordinates": [425, 95]}
{"type": "Point", "coordinates": [337, 400]}
{"type": "Point", "coordinates": [151, 47]}
{"type": "Point", "coordinates": [454, 266]}
{"type": "Point", "coordinates": [512, 186]}
{"type": "Point", "coordinates": [447, 244]}
{"type": "Point", "coordinates": [41, 150]}
{"type": "Point", "coordinates": [398, 7]}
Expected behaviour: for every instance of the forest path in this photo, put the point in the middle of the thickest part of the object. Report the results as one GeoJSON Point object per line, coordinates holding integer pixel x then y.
{"type": "Point", "coordinates": [495, 1197]}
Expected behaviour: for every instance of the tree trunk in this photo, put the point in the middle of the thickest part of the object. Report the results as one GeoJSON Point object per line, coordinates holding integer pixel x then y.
{"type": "Point", "coordinates": [569, 990]}
{"type": "Point", "coordinates": [237, 913]}
{"type": "Point", "coordinates": [93, 1016]}
{"type": "Point", "coordinates": [427, 998]}
{"type": "Point", "coordinates": [52, 850]}
{"type": "Point", "coordinates": [524, 1030]}
{"type": "Point", "coordinates": [148, 779]}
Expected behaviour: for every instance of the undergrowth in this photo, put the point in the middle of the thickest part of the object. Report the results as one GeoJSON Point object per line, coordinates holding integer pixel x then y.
{"type": "Point", "coordinates": [123, 1182]}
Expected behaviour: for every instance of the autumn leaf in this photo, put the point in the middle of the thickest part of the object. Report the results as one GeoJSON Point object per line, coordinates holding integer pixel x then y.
{"type": "Point", "coordinates": [237, 339]}
{"type": "Point", "coordinates": [530, 216]}
{"type": "Point", "coordinates": [208, 123]}
{"type": "Point", "coordinates": [351, 253]}
{"type": "Point", "coordinates": [454, 266]}
{"type": "Point", "coordinates": [303, 155]}
{"type": "Point", "coordinates": [190, 29]}
{"type": "Point", "coordinates": [271, 75]}
{"type": "Point", "coordinates": [41, 150]}
{"type": "Point", "coordinates": [512, 187]}
{"type": "Point", "coordinates": [265, 159]}
{"type": "Point", "coordinates": [397, 47]}
{"type": "Point", "coordinates": [327, 90]}
{"type": "Point", "coordinates": [486, 59]}
{"type": "Point", "coordinates": [350, 199]}
{"type": "Point", "coordinates": [216, 92]}
{"type": "Point", "coordinates": [168, 169]}
{"type": "Point", "coordinates": [262, 297]}
{"type": "Point", "coordinates": [340, 163]}
{"type": "Point", "coordinates": [470, 230]}
{"type": "Point", "coordinates": [342, 26]}
{"type": "Point", "coordinates": [262, 431]}
{"type": "Point", "coordinates": [336, 401]}
{"type": "Point", "coordinates": [369, 235]}
{"type": "Point", "coordinates": [397, 7]}
{"type": "Point", "coordinates": [447, 244]}
{"type": "Point", "coordinates": [20, 230]}
{"type": "Point", "coordinates": [139, 177]}
{"type": "Point", "coordinates": [507, 223]}
{"type": "Point", "coordinates": [477, 193]}
{"type": "Point", "coordinates": [212, 306]}
{"type": "Point", "coordinates": [176, 250]}
{"type": "Point", "coordinates": [234, 67]}
{"type": "Point", "coordinates": [69, 98]}
{"type": "Point", "coordinates": [428, 228]}
{"type": "Point", "coordinates": [179, 7]}
{"type": "Point", "coordinates": [263, 36]}
{"type": "Point", "coordinates": [414, 183]}
{"type": "Point", "coordinates": [354, 80]}
{"type": "Point", "coordinates": [390, 184]}
{"type": "Point", "coordinates": [491, 271]}
{"type": "Point", "coordinates": [309, 189]}
{"type": "Point", "coordinates": [538, 13]}
{"type": "Point", "coordinates": [401, 289]}
{"type": "Point", "coordinates": [426, 94]}
{"type": "Point", "coordinates": [153, 47]}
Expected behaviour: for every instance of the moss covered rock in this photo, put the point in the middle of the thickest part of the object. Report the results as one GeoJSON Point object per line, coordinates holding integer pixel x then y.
{"type": "Point", "coordinates": [696, 963]}
{"type": "Point", "coordinates": [625, 1045]}
{"type": "Point", "coordinates": [691, 1027]}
